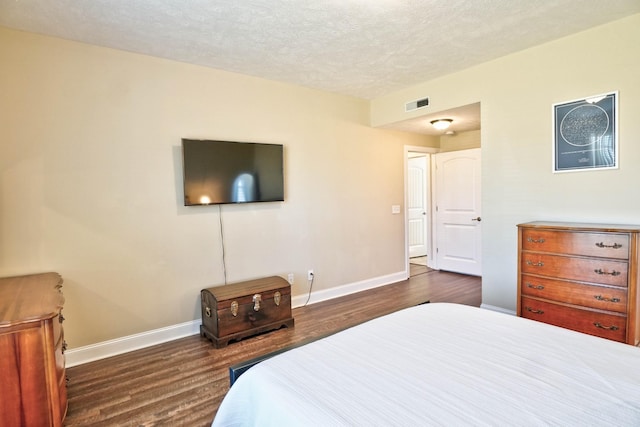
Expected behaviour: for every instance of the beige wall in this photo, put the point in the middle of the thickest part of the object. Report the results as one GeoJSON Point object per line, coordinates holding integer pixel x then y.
{"type": "Point", "coordinates": [91, 184]}
{"type": "Point", "coordinates": [516, 93]}
{"type": "Point", "coordinates": [460, 141]}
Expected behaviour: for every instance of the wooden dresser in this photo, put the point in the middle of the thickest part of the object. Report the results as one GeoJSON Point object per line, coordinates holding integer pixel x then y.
{"type": "Point", "coordinates": [33, 386]}
{"type": "Point", "coordinates": [581, 276]}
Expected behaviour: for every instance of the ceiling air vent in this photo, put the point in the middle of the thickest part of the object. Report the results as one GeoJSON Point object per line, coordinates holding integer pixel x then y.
{"type": "Point", "coordinates": [414, 105]}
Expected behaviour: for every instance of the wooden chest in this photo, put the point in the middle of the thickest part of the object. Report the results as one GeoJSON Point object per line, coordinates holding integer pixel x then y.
{"type": "Point", "coordinates": [582, 277]}
{"type": "Point", "coordinates": [236, 311]}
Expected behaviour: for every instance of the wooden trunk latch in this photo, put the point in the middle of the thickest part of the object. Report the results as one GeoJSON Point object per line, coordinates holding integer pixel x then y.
{"type": "Point", "coordinates": [234, 308]}
{"type": "Point", "coordinates": [256, 302]}
{"type": "Point", "coordinates": [277, 297]}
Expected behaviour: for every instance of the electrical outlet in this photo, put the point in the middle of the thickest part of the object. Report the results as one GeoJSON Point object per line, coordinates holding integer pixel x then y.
{"type": "Point", "coordinates": [310, 275]}
{"type": "Point", "coordinates": [290, 278]}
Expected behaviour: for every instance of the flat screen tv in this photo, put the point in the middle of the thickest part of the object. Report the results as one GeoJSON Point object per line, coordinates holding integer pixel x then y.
{"type": "Point", "coordinates": [219, 172]}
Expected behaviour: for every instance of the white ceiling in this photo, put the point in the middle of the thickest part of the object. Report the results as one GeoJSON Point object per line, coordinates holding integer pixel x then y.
{"type": "Point", "coordinates": [361, 48]}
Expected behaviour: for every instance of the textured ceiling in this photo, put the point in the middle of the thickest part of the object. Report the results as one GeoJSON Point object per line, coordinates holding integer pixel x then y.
{"type": "Point", "coordinates": [362, 48]}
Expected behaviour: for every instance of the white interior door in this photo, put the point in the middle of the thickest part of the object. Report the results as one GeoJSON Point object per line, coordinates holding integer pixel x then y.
{"type": "Point", "coordinates": [458, 212]}
{"type": "Point", "coordinates": [417, 204]}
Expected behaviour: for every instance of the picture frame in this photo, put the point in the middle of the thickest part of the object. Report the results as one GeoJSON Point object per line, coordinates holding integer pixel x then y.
{"type": "Point", "coordinates": [585, 134]}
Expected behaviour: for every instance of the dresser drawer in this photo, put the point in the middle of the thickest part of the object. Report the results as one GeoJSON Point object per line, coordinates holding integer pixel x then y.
{"type": "Point", "coordinates": [592, 270]}
{"type": "Point", "coordinates": [599, 297]}
{"type": "Point", "coordinates": [610, 326]}
{"type": "Point", "coordinates": [605, 245]}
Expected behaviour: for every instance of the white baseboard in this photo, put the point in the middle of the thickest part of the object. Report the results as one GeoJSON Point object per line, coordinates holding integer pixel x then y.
{"type": "Point", "coordinates": [498, 309]}
{"type": "Point", "coordinates": [351, 288]}
{"type": "Point", "coordinates": [102, 350]}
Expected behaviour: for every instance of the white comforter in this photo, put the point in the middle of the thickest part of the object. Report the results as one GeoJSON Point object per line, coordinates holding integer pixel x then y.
{"type": "Point", "coordinates": [442, 364]}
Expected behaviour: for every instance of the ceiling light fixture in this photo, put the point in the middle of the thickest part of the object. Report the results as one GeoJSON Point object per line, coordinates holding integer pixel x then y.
{"type": "Point", "coordinates": [441, 124]}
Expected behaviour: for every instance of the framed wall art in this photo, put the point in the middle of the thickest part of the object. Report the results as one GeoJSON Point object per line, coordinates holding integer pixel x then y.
{"type": "Point", "coordinates": [585, 135]}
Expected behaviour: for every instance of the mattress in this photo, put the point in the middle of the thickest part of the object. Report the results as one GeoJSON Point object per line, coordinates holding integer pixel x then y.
{"type": "Point", "coordinates": [442, 364]}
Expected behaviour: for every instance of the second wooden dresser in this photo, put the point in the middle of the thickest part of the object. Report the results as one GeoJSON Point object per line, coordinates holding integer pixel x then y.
{"type": "Point", "coordinates": [33, 386]}
{"type": "Point", "coordinates": [581, 276]}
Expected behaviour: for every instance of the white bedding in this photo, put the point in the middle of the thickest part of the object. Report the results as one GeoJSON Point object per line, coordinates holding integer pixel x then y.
{"type": "Point", "coordinates": [442, 364]}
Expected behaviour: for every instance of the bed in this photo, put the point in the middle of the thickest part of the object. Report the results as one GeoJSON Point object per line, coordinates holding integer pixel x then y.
{"type": "Point", "coordinates": [442, 364]}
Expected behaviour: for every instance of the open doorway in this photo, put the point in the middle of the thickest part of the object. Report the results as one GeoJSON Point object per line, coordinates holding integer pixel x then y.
{"type": "Point", "coordinates": [463, 135]}
{"type": "Point", "coordinates": [442, 211]}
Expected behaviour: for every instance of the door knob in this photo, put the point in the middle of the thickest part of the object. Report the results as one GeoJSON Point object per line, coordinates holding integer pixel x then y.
{"type": "Point", "coordinates": [476, 219]}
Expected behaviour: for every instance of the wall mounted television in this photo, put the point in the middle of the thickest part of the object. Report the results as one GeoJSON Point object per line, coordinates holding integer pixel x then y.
{"type": "Point", "coordinates": [221, 172]}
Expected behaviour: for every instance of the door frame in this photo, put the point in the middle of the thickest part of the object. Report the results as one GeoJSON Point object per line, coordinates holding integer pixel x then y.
{"type": "Point", "coordinates": [428, 151]}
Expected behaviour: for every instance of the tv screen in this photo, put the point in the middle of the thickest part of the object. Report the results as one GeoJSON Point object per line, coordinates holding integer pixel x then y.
{"type": "Point", "coordinates": [217, 172]}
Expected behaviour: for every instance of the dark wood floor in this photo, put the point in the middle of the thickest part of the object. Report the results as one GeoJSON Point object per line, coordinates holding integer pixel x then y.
{"type": "Point", "coordinates": [181, 383]}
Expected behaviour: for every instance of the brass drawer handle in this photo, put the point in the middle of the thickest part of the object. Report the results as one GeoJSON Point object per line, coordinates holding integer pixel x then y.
{"type": "Point", "coordinates": [534, 311]}
{"type": "Point", "coordinates": [61, 318]}
{"type": "Point", "coordinates": [601, 271]}
{"type": "Point", "coordinates": [207, 311]}
{"type": "Point", "coordinates": [532, 240]}
{"type": "Point", "coordinates": [614, 246]}
{"type": "Point", "coordinates": [538, 287]}
{"type": "Point", "coordinates": [535, 264]}
{"type": "Point", "coordinates": [64, 346]}
{"type": "Point", "coordinates": [609, 328]}
{"type": "Point", "coordinates": [601, 298]}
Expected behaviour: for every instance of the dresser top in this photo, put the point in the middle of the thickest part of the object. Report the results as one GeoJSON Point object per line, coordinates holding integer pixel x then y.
{"type": "Point", "coordinates": [30, 298]}
{"type": "Point", "coordinates": [583, 226]}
